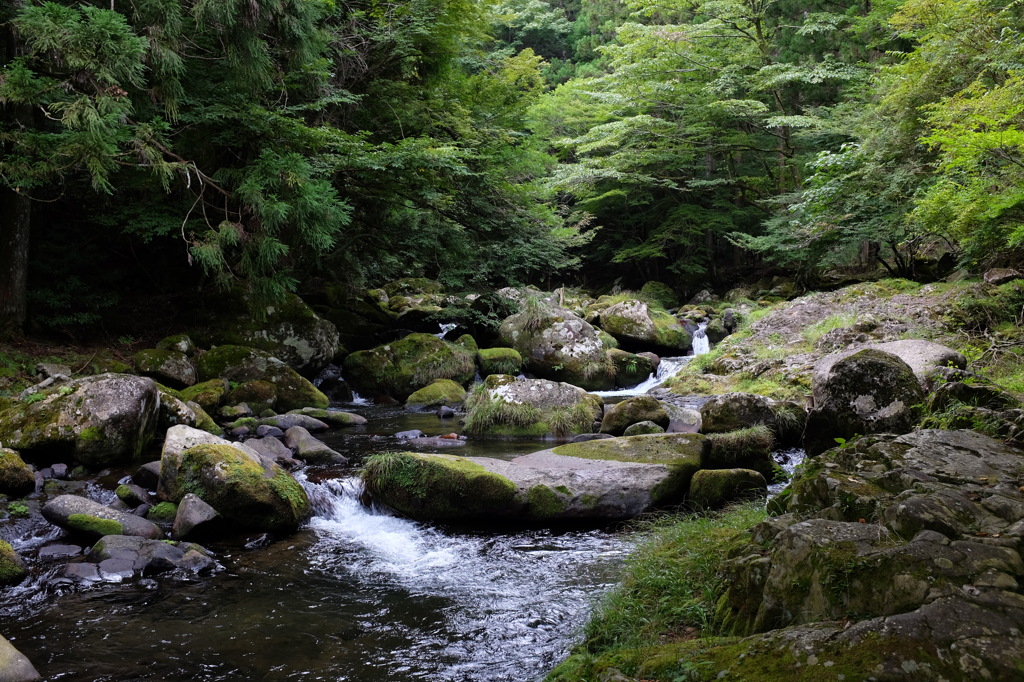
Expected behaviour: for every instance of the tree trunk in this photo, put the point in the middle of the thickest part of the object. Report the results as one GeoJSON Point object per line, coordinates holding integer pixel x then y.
{"type": "Point", "coordinates": [15, 210]}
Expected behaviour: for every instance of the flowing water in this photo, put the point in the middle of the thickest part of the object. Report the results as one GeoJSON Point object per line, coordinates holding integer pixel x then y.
{"type": "Point", "coordinates": [356, 595]}
{"type": "Point", "coordinates": [668, 368]}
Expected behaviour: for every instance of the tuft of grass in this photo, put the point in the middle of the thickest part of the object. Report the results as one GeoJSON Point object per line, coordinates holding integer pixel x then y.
{"type": "Point", "coordinates": [742, 444]}
{"type": "Point", "coordinates": [835, 321]}
{"type": "Point", "coordinates": [672, 582]}
{"type": "Point", "coordinates": [483, 412]}
{"type": "Point", "coordinates": [535, 313]}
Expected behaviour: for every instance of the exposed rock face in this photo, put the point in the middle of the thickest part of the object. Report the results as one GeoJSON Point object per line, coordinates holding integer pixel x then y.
{"type": "Point", "coordinates": [631, 411]}
{"type": "Point", "coordinates": [240, 364]}
{"type": "Point", "coordinates": [510, 407]}
{"type": "Point", "coordinates": [917, 537]}
{"type": "Point", "coordinates": [101, 421]}
{"type": "Point", "coordinates": [82, 515]}
{"type": "Point", "coordinates": [868, 392]}
{"type": "Point", "coordinates": [404, 366]}
{"type": "Point", "coordinates": [169, 367]}
{"type": "Point", "coordinates": [291, 332]}
{"type": "Point", "coordinates": [635, 324]}
{"type": "Point", "coordinates": [600, 480]}
{"type": "Point", "coordinates": [996, 276]}
{"type": "Point", "coordinates": [558, 345]}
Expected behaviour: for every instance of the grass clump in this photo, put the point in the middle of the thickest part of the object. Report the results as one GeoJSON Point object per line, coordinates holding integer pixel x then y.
{"type": "Point", "coordinates": [830, 323]}
{"type": "Point", "coordinates": [672, 581]}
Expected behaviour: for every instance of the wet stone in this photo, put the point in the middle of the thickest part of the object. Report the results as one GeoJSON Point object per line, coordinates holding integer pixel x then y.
{"type": "Point", "coordinates": [82, 572]}
{"type": "Point", "coordinates": [58, 552]}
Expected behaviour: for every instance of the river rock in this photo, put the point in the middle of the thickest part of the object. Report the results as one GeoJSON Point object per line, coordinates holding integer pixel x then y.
{"type": "Point", "coordinates": [642, 428]}
{"type": "Point", "coordinates": [208, 394]}
{"type": "Point", "coordinates": [715, 488]}
{"type": "Point", "coordinates": [292, 419]}
{"type": "Point", "coordinates": [511, 407]}
{"type": "Point", "coordinates": [129, 557]}
{"type": "Point", "coordinates": [245, 488]}
{"type": "Point", "coordinates": [560, 346]}
{"type": "Point", "coordinates": [309, 449]}
{"type": "Point", "coordinates": [82, 515]}
{"type": "Point", "coordinates": [404, 366]}
{"type": "Point", "coordinates": [195, 518]}
{"type": "Point", "coordinates": [14, 665]}
{"type": "Point", "coordinates": [332, 417]}
{"type": "Point", "coordinates": [173, 411]}
{"type": "Point", "coordinates": [439, 392]}
{"type": "Point", "coordinates": [630, 369]}
{"type": "Point", "coordinates": [272, 448]}
{"type": "Point", "coordinates": [599, 480]}
{"type": "Point", "coordinates": [259, 395]}
{"type": "Point", "coordinates": [288, 330]}
{"type": "Point", "coordinates": [101, 420]}
{"type": "Point", "coordinates": [169, 367]}
{"type": "Point", "coordinates": [181, 343]}
{"type": "Point", "coordinates": [241, 364]}
{"type": "Point", "coordinates": [632, 411]}
{"type": "Point", "coordinates": [16, 477]}
{"type": "Point", "coordinates": [734, 411]}
{"type": "Point", "coordinates": [868, 392]}
{"type": "Point", "coordinates": [636, 325]}
{"type": "Point", "coordinates": [749, 448]}
{"type": "Point", "coordinates": [147, 475]}
{"type": "Point", "coordinates": [12, 568]}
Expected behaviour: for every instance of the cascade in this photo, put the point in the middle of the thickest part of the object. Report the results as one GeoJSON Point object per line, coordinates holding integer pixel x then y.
{"type": "Point", "coordinates": [701, 344]}
{"type": "Point", "coordinates": [669, 367]}
{"type": "Point", "coordinates": [445, 328]}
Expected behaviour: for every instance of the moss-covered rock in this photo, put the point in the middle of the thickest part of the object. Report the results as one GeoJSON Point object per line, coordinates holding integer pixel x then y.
{"type": "Point", "coordinates": [468, 342]}
{"type": "Point", "coordinates": [162, 513]}
{"type": "Point", "coordinates": [404, 366]}
{"type": "Point", "coordinates": [641, 408]}
{"type": "Point", "coordinates": [412, 287]}
{"type": "Point", "coordinates": [659, 294]}
{"type": "Point", "coordinates": [82, 515]}
{"type": "Point", "coordinates": [169, 367]}
{"type": "Point", "coordinates": [100, 421]}
{"type": "Point", "coordinates": [868, 392]}
{"type": "Point", "coordinates": [630, 369]}
{"type": "Point", "coordinates": [499, 361]}
{"type": "Point", "coordinates": [715, 488]}
{"type": "Point", "coordinates": [16, 477]}
{"type": "Point", "coordinates": [509, 407]}
{"type": "Point", "coordinates": [636, 325]}
{"type": "Point", "coordinates": [181, 343]}
{"type": "Point", "coordinates": [642, 429]}
{"type": "Point", "coordinates": [240, 364]}
{"type": "Point", "coordinates": [735, 411]}
{"type": "Point", "coordinates": [12, 568]}
{"type": "Point", "coordinates": [258, 394]}
{"type": "Point", "coordinates": [204, 421]}
{"type": "Point", "coordinates": [288, 330]}
{"type": "Point", "coordinates": [208, 394]}
{"type": "Point", "coordinates": [558, 345]}
{"type": "Point", "coordinates": [332, 418]}
{"type": "Point", "coordinates": [243, 488]}
{"type": "Point", "coordinates": [439, 487]}
{"type": "Point", "coordinates": [437, 393]}
{"type": "Point", "coordinates": [749, 448]}
{"type": "Point", "coordinates": [680, 453]}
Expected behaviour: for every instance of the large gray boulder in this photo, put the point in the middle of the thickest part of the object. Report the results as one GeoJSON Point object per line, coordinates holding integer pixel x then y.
{"type": "Point", "coordinates": [600, 480]}
{"type": "Point", "coordinates": [14, 665]}
{"type": "Point", "coordinates": [641, 408]}
{"type": "Point", "coordinates": [923, 358]}
{"type": "Point", "coordinates": [101, 421]}
{"type": "Point", "coordinates": [510, 407]}
{"type": "Point", "coordinates": [169, 367]}
{"type": "Point", "coordinates": [868, 392]}
{"type": "Point", "coordinates": [82, 515]}
{"type": "Point", "coordinates": [558, 345]}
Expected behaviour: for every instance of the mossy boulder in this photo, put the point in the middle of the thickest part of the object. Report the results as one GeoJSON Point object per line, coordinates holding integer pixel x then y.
{"type": "Point", "coordinates": [400, 368]}
{"type": "Point", "coordinates": [439, 487]}
{"type": "Point", "coordinates": [510, 407]}
{"type": "Point", "coordinates": [333, 418]}
{"type": "Point", "coordinates": [638, 326]}
{"type": "Point", "coordinates": [630, 369]}
{"type": "Point", "coordinates": [16, 477]}
{"type": "Point", "coordinates": [641, 408]}
{"type": "Point", "coordinates": [868, 392]}
{"type": "Point", "coordinates": [181, 343]}
{"type": "Point", "coordinates": [258, 394]}
{"type": "Point", "coordinates": [204, 421]}
{"type": "Point", "coordinates": [679, 453]}
{"type": "Point", "coordinates": [499, 361]}
{"type": "Point", "coordinates": [82, 515]}
{"type": "Point", "coordinates": [12, 568]}
{"type": "Point", "coordinates": [749, 448]}
{"type": "Point", "coordinates": [560, 346]}
{"type": "Point", "coordinates": [642, 428]}
{"type": "Point", "coordinates": [99, 421]}
{"type": "Point", "coordinates": [715, 488]}
{"type": "Point", "coordinates": [208, 394]}
{"type": "Point", "coordinates": [244, 488]}
{"type": "Point", "coordinates": [288, 330]}
{"type": "Point", "coordinates": [734, 411]}
{"type": "Point", "coordinates": [169, 367]}
{"type": "Point", "coordinates": [240, 364]}
{"type": "Point", "coordinates": [468, 342]}
{"type": "Point", "coordinates": [414, 287]}
{"type": "Point", "coordinates": [437, 393]}
{"type": "Point", "coordinates": [659, 294]}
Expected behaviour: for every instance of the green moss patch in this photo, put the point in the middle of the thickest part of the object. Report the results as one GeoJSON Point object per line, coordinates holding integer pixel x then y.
{"type": "Point", "coordinates": [87, 523]}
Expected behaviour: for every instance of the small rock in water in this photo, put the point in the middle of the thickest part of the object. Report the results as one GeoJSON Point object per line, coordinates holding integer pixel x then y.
{"type": "Point", "coordinates": [260, 542]}
{"type": "Point", "coordinates": [406, 435]}
{"type": "Point", "coordinates": [445, 412]}
{"type": "Point", "coordinates": [60, 470]}
{"type": "Point", "coordinates": [56, 552]}
{"type": "Point", "coordinates": [265, 430]}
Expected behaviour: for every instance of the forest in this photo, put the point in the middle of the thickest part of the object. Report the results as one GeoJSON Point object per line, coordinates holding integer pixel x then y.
{"type": "Point", "coordinates": [160, 150]}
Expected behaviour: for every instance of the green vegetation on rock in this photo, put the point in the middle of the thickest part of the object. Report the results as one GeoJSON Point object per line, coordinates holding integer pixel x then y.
{"type": "Point", "coordinates": [437, 393]}
{"type": "Point", "coordinates": [12, 568]}
{"type": "Point", "coordinates": [499, 361]}
{"type": "Point", "coordinates": [87, 523]}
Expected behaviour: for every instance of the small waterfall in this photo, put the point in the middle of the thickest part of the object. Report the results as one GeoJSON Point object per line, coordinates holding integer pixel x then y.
{"type": "Point", "coordinates": [669, 367]}
{"type": "Point", "coordinates": [445, 328]}
{"type": "Point", "coordinates": [701, 344]}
